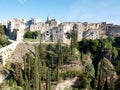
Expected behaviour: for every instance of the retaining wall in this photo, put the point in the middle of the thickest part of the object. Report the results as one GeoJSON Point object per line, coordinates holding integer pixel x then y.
{"type": "Point", "coordinates": [7, 51]}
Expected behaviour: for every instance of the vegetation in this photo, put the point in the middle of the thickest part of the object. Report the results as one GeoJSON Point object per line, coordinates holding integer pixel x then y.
{"type": "Point", "coordinates": [45, 67]}
{"type": "Point", "coordinates": [31, 35]}
{"type": "Point", "coordinates": [3, 38]}
{"type": "Point", "coordinates": [106, 52]}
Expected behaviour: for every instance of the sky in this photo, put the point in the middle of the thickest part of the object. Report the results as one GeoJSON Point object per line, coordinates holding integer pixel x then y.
{"type": "Point", "coordinates": [63, 10]}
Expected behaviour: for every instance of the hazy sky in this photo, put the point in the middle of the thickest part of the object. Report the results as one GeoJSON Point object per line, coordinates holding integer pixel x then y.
{"type": "Point", "coordinates": [64, 10]}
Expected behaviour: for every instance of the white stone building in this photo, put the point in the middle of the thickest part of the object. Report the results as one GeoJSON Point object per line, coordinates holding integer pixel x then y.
{"type": "Point", "coordinates": [91, 34]}
{"type": "Point", "coordinates": [35, 20]}
{"type": "Point", "coordinates": [52, 22]}
{"type": "Point", "coordinates": [53, 30]}
{"type": "Point", "coordinates": [36, 27]}
{"type": "Point", "coordinates": [93, 26]}
{"type": "Point", "coordinates": [57, 33]}
{"type": "Point", "coordinates": [16, 24]}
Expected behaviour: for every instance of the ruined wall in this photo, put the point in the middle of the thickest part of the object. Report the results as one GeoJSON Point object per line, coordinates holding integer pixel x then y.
{"type": "Point", "coordinates": [20, 35]}
{"type": "Point", "coordinates": [7, 51]}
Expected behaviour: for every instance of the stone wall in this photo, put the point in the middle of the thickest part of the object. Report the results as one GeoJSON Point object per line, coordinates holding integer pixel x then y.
{"type": "Point", "coordinates": [7, 51]}
{"type": "Point", "coordinates": [20, 35]}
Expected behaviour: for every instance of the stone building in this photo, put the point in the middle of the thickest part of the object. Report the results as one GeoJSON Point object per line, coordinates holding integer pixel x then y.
{"type": "Point", "coordinates": [36, 27]}
{"type": "Point", "coordinates": [33, 24]}
{"type": "Point", "coordinates": [35, 20]}
{"type": "Point", "coordinates": [14, 25]}
{"type": "Point", "coordinates": [93, 26]}
{"type": "Point", "coordinates": [57, 33]}
{"type": "Point", "coordinates": [91, 34]}
{"type": "Point", "coordinates": [64, 31]}
{"type": "Point", "coordinates": [41, 26]}
{"type": "Point", "coordinates": [53, 30]}
{"type": "Point", "coordinates": [52, 22]}
{"type": "Point", "coordinates": [113, 30]}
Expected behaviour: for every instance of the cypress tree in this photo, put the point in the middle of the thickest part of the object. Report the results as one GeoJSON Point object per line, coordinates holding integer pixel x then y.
{"type": "Point", "coordinates": [57, 75]}
{"type": "Point", "coordinates": [21, 79]}
{"type": "Point", "coordinates": [59, 53]}
{"type": "Point", "coordinates": [39, 61]}
{"type": "Point", "coordinates": [100, 76]}
{"type": "Point", "coordinates": [52, 61]}
{"type": "Point", "coordinates": [48, 80]}
{"type": "Point", "coordinates": [71, 47]}
{"type": "Point", "coordinates": [40, 87]}
{"type": "Point", "coordinates": [59, 58]}
{"type": "Point", "coordinates": [37, 70]}
{"type": "Point", "coordinates": [32, 69]}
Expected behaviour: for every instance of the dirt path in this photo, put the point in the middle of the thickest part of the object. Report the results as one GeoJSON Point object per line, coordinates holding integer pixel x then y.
{"type": "Point", "coordinates": [66, 84]}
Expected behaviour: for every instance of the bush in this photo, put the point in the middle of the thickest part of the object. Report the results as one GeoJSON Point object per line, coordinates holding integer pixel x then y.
{"type": "Point", "coordinates": [31, 35]}
{"type": "Point", "coordinates": [70, 74]}
{"type": "Point", "coordinates": [3, 40]}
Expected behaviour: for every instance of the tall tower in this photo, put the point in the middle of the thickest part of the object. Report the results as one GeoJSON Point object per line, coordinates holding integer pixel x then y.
{"type": "Point", "coordinates": [48, 18]}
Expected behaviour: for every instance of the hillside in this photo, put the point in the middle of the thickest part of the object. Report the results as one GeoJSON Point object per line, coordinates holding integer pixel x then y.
{"type": "Point", "coordinates": [88, 64]}
{"type": "Point", "coordinates": [20, 51]}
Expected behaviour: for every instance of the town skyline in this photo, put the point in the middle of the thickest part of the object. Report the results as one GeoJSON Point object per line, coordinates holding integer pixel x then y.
{"type": "Point", "coordinates": [77, 11]}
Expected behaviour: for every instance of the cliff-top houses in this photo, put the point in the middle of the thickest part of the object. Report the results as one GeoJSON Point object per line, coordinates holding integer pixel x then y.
{"type": "Point", "coordinates": [53, 30]}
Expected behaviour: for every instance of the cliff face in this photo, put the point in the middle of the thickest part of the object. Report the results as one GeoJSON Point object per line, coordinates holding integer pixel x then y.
{"type": "Point", "coordinates": [106, 75]}
{"type": "Point", "coordinates": [83, 80]}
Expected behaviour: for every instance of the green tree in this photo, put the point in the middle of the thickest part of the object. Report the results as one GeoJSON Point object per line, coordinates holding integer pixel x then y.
{"type": "Point", "coordinates": [1, 61]}
{"type": "Point", "coordinates": [74, 42]}
{"type": "Point", "coordinates": [105, 70]}
{"type": "Point", "coordinates": [89, 74]}
{"type": "Point", "coordinates": [33, 69]}
{"type": "Point", "coordinates": [35, 34]}
{"type": "Point", "coordinates": [94, 45]}
{"type": "Point", "coordinates": [59, 53]}
{"type": "Point", "coordinates": [3, 38]}
{"type": "Point", "coordinates": [59, 57]}
{"type": "Point", "coordinates": [48, 80]}
{"type": "Point", "coordinates": [115, 53]}
{"type": "Point", "coordinates": [117, 66]}
{"type": "Point", "coordinates": [28, 34]}
{"type": "Point", "coordinates": [1, 30]}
